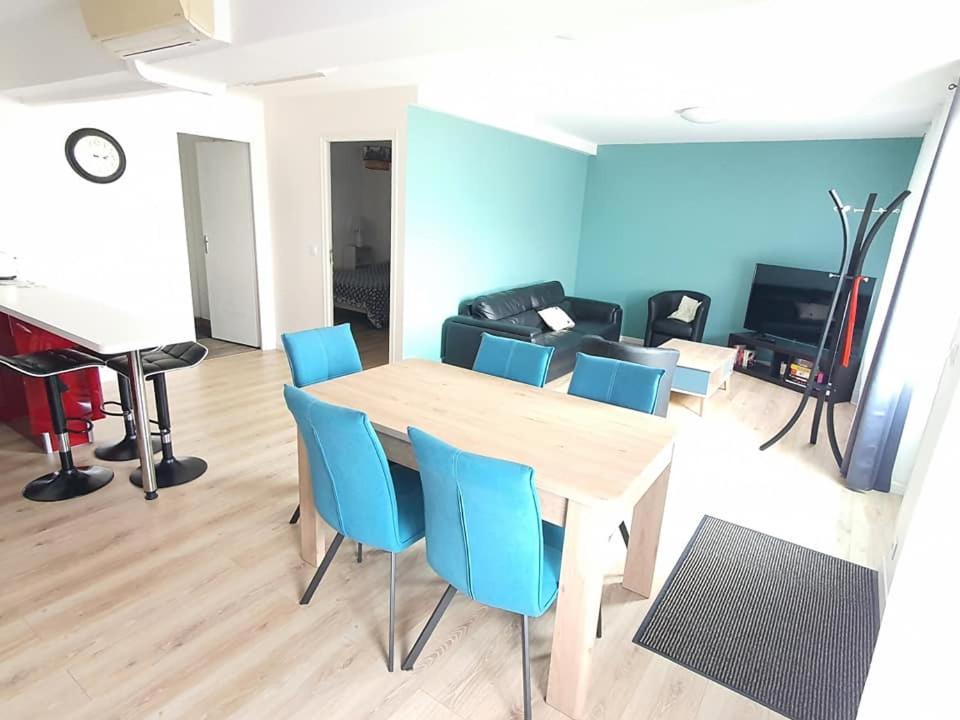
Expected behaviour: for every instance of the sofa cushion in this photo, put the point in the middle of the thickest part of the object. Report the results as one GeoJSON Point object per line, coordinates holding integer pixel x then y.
{"type": "Point", "coordinates": [610, 331]}
{"type": "Point", "coordinates": [528, 318]}
{"type": "Point", "coordinates": [565, 341]}
{"type": "Point", "coordinates": [501, 305]}
{"type": "Point", "coordinates": [673, 328]}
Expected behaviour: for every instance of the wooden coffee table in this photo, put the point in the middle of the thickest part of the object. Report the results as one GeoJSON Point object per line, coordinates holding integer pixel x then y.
{"type": "Point", "coordinates": [702, 369]}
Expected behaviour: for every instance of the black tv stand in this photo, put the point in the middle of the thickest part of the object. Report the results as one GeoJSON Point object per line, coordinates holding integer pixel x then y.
{"type": "Point", "coordinates": [772, 353]}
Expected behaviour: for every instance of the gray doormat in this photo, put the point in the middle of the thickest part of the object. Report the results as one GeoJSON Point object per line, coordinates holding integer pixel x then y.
{"type": "Point", "coordinates": [790, 628]}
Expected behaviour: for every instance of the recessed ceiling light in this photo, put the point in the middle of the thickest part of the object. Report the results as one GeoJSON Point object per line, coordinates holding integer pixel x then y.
{"type": "Point", "coordinates": [328, 71]}
{"type": "Point", "coordinates": [699, 115]}
{"type": "Point", "coordinates": [563, 36]}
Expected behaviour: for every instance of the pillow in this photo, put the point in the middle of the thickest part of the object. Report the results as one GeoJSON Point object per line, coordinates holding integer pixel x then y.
{"type": "Point", "coordinates": [556, 318]}
{"type": "Point", "coordinates": [687, 310]}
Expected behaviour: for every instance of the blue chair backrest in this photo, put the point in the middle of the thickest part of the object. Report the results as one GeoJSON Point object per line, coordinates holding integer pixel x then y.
{"type": "Point", "coordinates": [616, 382]}
{"type": "Point", "coordinates": [352, 485]}
{"type": "Point", "coordinates": [483, 527]}
{"type": "Point", "coordinates": [321, 354]}
{"type": "Point", "coordinates": [513, 359]}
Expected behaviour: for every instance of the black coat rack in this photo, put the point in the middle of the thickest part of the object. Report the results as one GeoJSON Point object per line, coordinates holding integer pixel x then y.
{"type": "Point", "coordinates": [849, 277]}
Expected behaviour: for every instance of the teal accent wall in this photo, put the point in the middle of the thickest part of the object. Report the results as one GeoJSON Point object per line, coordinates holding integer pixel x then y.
{"type": "Point", "coordinates": [700, 216]}
{"type": "Point", "coordinates": [485, 210]}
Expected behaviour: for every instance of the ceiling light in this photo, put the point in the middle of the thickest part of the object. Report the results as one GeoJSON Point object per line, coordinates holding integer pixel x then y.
{"type": "Point", "coordinates": [699, 115]}
{"type": "Point", "coordinates": [328, 71]}
{"type": "Point", "coordinates": [563, 36]}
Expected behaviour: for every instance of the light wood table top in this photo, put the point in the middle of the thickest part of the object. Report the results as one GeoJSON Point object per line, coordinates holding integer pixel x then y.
{"type": "Point", "coordinates": [596, 466]}
{"type": "Point", "coordinates": [581, 450]}
{"type": "Point", "coordinates": [701, 356]}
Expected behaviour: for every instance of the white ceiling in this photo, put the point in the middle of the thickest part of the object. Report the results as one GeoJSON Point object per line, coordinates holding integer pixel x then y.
{"type": "Point", "coordinates": [775, 69]}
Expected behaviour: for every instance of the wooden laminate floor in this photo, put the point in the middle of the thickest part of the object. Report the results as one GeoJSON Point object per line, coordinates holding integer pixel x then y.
{"type": "Point", "coordinates": [112, 607]}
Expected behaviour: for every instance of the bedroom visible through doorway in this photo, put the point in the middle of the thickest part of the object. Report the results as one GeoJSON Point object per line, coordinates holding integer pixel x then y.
{"type": "Point", "coordinates": [360, 179]}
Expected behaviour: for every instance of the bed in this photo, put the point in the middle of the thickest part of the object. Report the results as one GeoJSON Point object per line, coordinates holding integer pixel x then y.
{"type": "Point", "coordinates": [365, 290]}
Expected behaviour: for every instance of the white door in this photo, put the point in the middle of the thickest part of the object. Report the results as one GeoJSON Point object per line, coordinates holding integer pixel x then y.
{"type": "Point", "coordinates": [226, 211]}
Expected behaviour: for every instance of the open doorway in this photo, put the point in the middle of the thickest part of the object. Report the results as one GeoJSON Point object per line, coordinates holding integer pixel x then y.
{"type": "Point", "coordinates": [360, 185]}
{"type": "Point", "coordinates": [221, 244]}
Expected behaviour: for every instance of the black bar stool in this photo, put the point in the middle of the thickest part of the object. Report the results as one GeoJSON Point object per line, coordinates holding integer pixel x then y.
{"type": "Point", "coordinates": [125, 449]}
{"type": "Point", "coordinates": [69, 481]}
{"type": "Point", "coordinates": [171, 470]}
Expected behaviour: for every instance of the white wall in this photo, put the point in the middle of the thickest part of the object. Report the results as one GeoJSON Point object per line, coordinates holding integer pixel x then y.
{"type": "Point", "coordinates": [913, 671]}
{"type": "Point", "coordinates": [357, 192]}
{"type": "Point", "coordinates": [298, 130]}
{"type": "Point", "coordinates": [125, 242]}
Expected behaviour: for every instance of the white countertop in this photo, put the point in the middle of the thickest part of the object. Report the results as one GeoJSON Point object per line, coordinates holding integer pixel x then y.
{"type": "Point", "coordinates": [94, 325]}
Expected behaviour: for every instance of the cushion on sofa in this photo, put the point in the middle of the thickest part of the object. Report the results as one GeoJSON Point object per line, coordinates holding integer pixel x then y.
{"type": "Point", "coordinates": [563, 340]}
{"type": "Point", "coordinates": [610, 331]}
{"type": "Point", "coordinates": [673, 328]}
{"type": "Point", "coordinates": [502, 305]}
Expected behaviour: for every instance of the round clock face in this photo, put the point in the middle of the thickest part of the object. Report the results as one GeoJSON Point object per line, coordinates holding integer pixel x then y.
{"type": "Point", "coordinates": [95, 155]}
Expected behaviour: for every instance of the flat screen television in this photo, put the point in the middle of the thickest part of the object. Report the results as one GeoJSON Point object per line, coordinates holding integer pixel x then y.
{"type": "Point", "coordinates": [793, 303]}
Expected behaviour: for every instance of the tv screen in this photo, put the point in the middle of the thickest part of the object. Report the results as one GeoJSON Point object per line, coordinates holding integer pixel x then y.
{"type": "Point", "coordinates": [794, 303]}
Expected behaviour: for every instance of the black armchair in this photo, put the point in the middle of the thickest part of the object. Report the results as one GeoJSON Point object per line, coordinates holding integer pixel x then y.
{"type": "Point", "coordinates": [664, 358]}
{"type": "Point", "coordinates": [660, 328]}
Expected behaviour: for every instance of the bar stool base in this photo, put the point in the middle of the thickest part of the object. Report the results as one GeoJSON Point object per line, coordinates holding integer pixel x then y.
{"type": "Point", "coordinates": [126, 449]}
{"type": "Point", "coordinates": [66, 484]}
{"type": "Point", "coordinates": [172, 472]}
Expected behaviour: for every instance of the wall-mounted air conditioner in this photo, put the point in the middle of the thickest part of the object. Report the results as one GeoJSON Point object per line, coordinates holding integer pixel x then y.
{"type": "Point", "coordinates": [148, 29]}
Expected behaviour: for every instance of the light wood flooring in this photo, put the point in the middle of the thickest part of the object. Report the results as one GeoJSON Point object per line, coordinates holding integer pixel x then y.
{"type": "Point", "coordinates": [112, 607]}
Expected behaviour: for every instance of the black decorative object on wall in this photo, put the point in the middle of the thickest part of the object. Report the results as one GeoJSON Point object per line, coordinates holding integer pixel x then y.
{"type": "Point", "coordinates": [95, 155]}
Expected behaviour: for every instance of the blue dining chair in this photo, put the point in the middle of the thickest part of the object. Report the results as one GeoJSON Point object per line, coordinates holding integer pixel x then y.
{"type": "Point", "coordinates": [513, 359]}
{"type": "Point", "coordinates": [617, 382]}
{"type": "Point", "coordinates": [355, 489]}
{"type": "Point", "coordinates": [486, 538]}
{"type": "Point", "coordinates": [318, 355]}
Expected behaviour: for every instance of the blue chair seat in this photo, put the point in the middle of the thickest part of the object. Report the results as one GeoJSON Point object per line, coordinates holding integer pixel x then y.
{"type": "Point", "coordinates": [409, 492]}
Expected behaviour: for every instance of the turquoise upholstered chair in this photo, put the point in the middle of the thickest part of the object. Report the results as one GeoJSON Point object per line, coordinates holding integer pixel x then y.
{"type": "Point", "coordinates": [356, 490]}
{"type": "Point", "coordinates": [617, 382]}
{"type": "Point", "coordinates": [512, 359]}
{"type": "Point", "coordinates": [318, 355]}
{"type": "Point", "coordinates": [485, 537]}
{"type": "Point", "coordinates": [321, 354]}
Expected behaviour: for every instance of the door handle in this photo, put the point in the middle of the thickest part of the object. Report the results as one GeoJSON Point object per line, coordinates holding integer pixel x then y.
{"type": "Point", "coordinates": [206, 244]}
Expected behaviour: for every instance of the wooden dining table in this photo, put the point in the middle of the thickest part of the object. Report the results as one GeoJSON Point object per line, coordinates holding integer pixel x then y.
{"type": "Point", "coordinates": [595, 465]}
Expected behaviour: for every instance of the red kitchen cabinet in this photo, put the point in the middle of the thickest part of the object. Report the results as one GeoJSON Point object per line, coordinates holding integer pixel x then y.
{"type": "Point", "coordinates": [23, 400]}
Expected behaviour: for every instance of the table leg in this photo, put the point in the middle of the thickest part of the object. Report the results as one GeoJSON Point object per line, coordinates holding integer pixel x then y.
{"type": "Point", "coordinates": [645, 537]}
{"type": "Point", "coordinates": [138, 392]}
{"type": "Point", "coordinates": [703, 403]}
{"type": "Point", "coordinates": [575, 628]}
{"type": "Point", "coordinates": [312, 537]}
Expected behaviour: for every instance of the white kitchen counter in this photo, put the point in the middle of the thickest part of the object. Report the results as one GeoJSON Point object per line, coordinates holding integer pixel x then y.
{"type": "Point", "coordinates": [103, 328]}
{"type": "Point", "coordinates": [106, 329]}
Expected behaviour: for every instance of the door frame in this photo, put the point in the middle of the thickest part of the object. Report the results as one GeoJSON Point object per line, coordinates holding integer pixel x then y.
{"type": "Point", "coordinates": [258, 248]}
{"type": "Point", "coordinates": [395, 331]}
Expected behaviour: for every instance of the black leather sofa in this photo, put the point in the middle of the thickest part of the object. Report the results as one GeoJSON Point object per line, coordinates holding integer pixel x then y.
{"type": "Point", "coordinates": [513, 314]}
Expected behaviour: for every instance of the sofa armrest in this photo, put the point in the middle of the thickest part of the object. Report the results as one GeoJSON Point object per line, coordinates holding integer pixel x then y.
{"type": "Point", "coordinates": [586, 309]}
{"type": "Point", "coordinates": [460, 337]}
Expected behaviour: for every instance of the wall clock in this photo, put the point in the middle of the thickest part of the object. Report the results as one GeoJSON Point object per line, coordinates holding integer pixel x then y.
{"type": "Point", "coordinates": [95, 155]}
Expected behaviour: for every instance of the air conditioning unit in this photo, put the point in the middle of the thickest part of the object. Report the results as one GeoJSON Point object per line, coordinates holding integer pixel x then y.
{"type": "Point", "coordinates": [155, 29]}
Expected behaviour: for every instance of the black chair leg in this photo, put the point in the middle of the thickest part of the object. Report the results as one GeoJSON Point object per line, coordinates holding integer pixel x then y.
{"type": "Point", "coordinates": [295, 518]}
{"type": "Point", "coordinates": [69, 481]}
{"type": "Point", "coordinates": [391, 640]}
{"type": "Point", "coordinates": [428, 629]}
{"type": "Point", "coordinates": [359, 553]}
{"type": "Point", "coordinates": [171, 470]}
{"type": "Point", "coordinates": [525, 641]}
{"type": "Point", "coordinates": [600, 622]}
{"type": "Point", "coordinates": [625, 534]}
{"type": "Point", "coordinates": [324, 564]}
{"type": "Point", "coordinates": [126, 448]}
